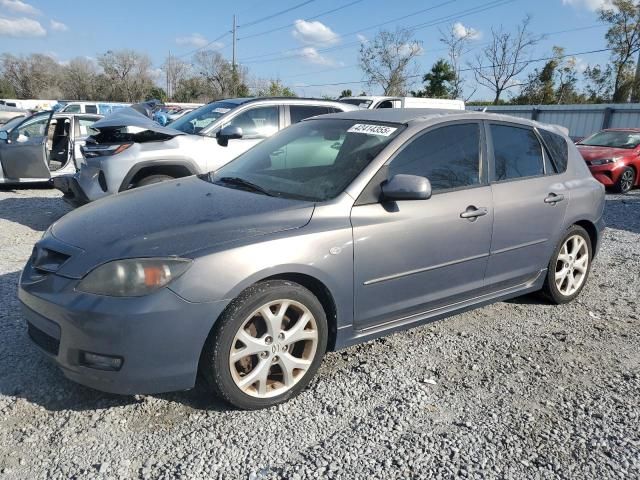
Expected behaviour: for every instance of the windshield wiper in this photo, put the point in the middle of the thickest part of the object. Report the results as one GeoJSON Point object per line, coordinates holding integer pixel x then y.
{"type": "Point", "coordinates": [245, 183]}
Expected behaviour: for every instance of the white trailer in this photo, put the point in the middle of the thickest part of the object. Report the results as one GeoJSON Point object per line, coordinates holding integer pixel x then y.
{"type": "Point", "coordinates": [372, 102]}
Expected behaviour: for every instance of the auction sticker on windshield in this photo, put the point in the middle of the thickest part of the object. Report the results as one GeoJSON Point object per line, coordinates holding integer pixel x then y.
{"type": "Point", "coordinates": [368, 129]}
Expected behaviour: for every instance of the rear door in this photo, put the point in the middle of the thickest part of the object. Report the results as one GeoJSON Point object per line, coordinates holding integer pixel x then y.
{"type": "Point", "coordinates": [530, 201]}
{"type": "Point", "coordinates": [24, 154]}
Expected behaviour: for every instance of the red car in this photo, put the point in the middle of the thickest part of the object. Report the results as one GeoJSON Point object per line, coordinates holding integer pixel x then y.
{"type": "Point", "coordinates": [613, 156]}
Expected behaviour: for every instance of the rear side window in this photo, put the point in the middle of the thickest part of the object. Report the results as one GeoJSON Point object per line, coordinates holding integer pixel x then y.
{"type": "Point", "coordinates": [517, 153]}
{"type": "Point", "coordinates": [448, 156]}
{"type": "Point", "coordinates": [72, 109]}
{"type": "Point", "coordinates": [300, 112]}
{"type": "Point", "coordinates": [557, 148]}
{"type": "Point", "coordinates": [90, 109]}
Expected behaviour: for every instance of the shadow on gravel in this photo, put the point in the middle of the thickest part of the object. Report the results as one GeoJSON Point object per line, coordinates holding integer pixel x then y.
{"type": "Point", "coordinates": [29, 374]}
{"type": "Point", "coordinates": [623, 212]}
{"type": "Point", "coordinates": [36, 213]}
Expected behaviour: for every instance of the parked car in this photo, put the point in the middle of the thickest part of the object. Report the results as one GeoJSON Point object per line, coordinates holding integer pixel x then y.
{"type": "Point", "coordinates": [131, 150]}
{"type": "Point", "coordinates": [8, 113]}
{"type": "Point", "coordinates": [100, 108]}
{"type": "Point", "coordinates": [337, 230]}
{"type": "Point", "coordinates": [42, 146]}
{"type": "Point", "coordinates": [613, 156]}
{"type": "Point", "coordinates": [373, 102]}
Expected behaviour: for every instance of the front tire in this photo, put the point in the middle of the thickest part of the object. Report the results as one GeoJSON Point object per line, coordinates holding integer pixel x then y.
{"type": "Point", "coordinates": [625, 181]}
{"type": "Point", "coordinates": [152, 179]}
{"type": "Point", "coordinates": [569, 267]}
{"type": "Point", "coordinates": [266, 346]}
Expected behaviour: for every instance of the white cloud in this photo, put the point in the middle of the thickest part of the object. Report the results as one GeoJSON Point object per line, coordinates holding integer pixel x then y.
{"type": "Point", "coordinates": [409, 49]}
{"type": "Point", "coordinates": [311, 55]}
{"type": "Point", "coordinates": [17, 6]}
{"type": "Point", "coordinates": [58, 26]}
{"type": "Point", "coordinates": [197, 40]}
{"type": "Point", "coordinates": [460, 31]}
{"type": "Point", "coordinates": [20, 27]}
{"type": "Point", "coordinates": [314, 33]}
{"type": "Point", "coordinates": [362, 38]}
{"type": "Point", "coordinates": [592, 5]}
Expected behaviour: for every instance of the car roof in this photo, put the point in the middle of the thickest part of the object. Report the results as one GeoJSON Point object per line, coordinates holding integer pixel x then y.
{"type": "Point", "coordinates": [634, 130]}
{"type": "Point", "coordinates": [243, 100]}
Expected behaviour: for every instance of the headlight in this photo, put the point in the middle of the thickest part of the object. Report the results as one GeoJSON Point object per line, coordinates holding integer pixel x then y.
{"type": "Point", "coordinates": [605, 161]}
{"type": "Point", "coordinates": [133, 277]}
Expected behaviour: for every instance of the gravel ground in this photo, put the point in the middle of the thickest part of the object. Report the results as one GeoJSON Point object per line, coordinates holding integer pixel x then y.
{"type": "Point", "coordinates": [520, 389]}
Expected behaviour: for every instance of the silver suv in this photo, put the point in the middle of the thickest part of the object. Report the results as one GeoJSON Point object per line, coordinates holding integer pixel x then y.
{"type": "Point", "coordinates": [133, 151]}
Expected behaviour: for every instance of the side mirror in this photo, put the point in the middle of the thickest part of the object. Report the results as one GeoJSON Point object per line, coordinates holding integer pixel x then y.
{"type": "Point", "coordinates": [406, 187]}
{"type": "Point", "coordinates": [4, 135]}
{"type": "Point", "coordinates": [229, 132]}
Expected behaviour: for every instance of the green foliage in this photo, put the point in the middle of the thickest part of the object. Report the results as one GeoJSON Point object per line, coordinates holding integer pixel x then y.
{"type": "Point", "coordinates": [156, 93]}
{"type": "Point", "coordinates": [439, 82]}
{"type": "Point", "coordinates": [346, 93]}
{"type": "Point", "coordinates": [275, 89]}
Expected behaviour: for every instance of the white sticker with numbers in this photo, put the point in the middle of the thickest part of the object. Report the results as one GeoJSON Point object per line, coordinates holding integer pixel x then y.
{"type": "Point", "coordinates": [369, 129]}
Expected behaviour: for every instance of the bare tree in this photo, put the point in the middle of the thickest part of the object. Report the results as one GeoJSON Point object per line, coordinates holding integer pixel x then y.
{"type": "Point", "coordinates": [80, 80]}
{"type": "Point", "coordinates": [388, 60]}
{"type": "Point", "coordinates": [175, 70]}
{"type": "Point", "coordinates": [623, 38]}
{"type": "Point", "coordinates": [504, 58]}
{"type": "Point", "coordinates": [457, 43]}
{"type": "Point", "coordinates": [34, 76]}
{"type": "Point", "coordinates": [219, 74]}
{"type": "Point", "coordinates": [129, 74]}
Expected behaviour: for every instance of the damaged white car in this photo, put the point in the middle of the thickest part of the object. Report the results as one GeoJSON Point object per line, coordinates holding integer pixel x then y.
{"type": "Point", "coordinates": [131, 150]}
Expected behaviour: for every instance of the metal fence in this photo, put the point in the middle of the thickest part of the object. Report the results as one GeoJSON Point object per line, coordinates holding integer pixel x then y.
{"type": "Point", "coordinates": [581, 120]}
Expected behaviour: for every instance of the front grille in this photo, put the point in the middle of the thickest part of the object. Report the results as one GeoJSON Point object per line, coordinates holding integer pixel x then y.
{"type": "Point", "coordinates": [43, 340]}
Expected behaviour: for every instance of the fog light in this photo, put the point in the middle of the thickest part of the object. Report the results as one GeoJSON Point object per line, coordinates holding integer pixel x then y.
{"type": "Point", "coordinates": [100, 362]}
{"type": "Point", "coordinates": [102, 181]}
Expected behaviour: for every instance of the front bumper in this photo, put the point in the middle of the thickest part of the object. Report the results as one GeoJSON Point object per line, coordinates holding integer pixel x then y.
{"type": "Point", "coordinates": [71, 189]}
{"type": "Point", "coordinates": [607, 174]}
{"type": "Point", "coordinates": [159, 337]}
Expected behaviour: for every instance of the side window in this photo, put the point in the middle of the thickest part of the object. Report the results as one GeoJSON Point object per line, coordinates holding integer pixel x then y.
{"type": "Point", "coordinates": [448, 156]}
{"type": "Point", "coordinates": [31, 129]}
{"type": "Point", "coordinates": [73, 108]}
{"type": "Point", "coordinates": [84, 127]}
{"type": "Point", "coordinates": [557, 148]}
{"type": "Point", "coordinates": [385, 104]}
{"type": "Point", "coordinates": [517, 152]}
{"type": "Point", "coordinates": [259, 122]}
{"type": "Point", "coordinates": [90, 108]}
{"type": "Point", "coordinates": [300, 112]}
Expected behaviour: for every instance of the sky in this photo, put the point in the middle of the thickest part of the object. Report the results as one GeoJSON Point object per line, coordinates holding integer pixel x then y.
{"type": "Point", "coordinates": [311, 46]}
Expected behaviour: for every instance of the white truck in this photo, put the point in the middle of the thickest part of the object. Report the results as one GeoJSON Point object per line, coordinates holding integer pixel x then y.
{"type": "Point", "coordinates": [371, 102]}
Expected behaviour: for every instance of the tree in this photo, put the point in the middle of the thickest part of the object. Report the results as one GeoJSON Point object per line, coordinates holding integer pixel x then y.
{"type": "Point", "coordinates": [439, 82]}
{"type": "Point", "coordinates": [129, 74]}
{"type": "Point", "coordinates": [6, 89]}
{"type": "Point", "coordinates": [504, 58]}
{"type": "Point", "coordinates": [34, 76]}
{"type": "Point", "coordinates": [223, 80]}
{"type": "Point", "coordinates": [193, 89]}
{"type": "Point", "coordinates": [598, 83]}
{"type": "Point", "coordinates": [623, 38]}
{"type": "Point", "coordinates": [346, 93]}
{"type": "Point", "coordinates": [457, 43]}
{"type": "Point", "coordinates": [80, 80]}
{"type": "Point", "coordinates": [389, 60]}
{"type": "Point", "coordinates": [156, 93]}
{"type": "Point", "coordinates": [175, 71]}
{"type": "Point", "coordinates": [275, 89]}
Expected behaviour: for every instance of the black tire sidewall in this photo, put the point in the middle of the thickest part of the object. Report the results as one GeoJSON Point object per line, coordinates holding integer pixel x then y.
{"type": "Point", "coordinates": [215, 360]}
{"type": "Point", "coordinates": [618, 187]}
{"type": "Point", "coordinates": [550, 289]}
{"type": "Point", "coordinates": [153, 179]}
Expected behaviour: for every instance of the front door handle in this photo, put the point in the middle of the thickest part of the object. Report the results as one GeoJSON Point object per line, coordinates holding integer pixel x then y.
{"type": "Point", "coordinates": [554, 198]}
{"type": "Point", "coordinates": [471, 213]}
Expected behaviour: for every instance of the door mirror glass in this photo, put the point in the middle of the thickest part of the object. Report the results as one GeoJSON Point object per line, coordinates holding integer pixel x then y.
{"type": "Point", "coordinates": [406, 187]}
{"type": "Point", "coordinates": [4, 135]}
{"type": "Point", "coordinates": [229, 132]}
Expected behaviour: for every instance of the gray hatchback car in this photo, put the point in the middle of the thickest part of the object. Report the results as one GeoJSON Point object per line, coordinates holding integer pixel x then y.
{"type": "Point", "coordinates": [337, 230]}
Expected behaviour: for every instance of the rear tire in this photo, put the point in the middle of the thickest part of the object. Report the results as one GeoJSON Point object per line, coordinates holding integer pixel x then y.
{"type": "Point", "coordinates": [569, 266]}
{"type": "Point", "coordinates": [626, 181]}
{"type": "Point", "coordinates": [266, 346]}
{"type": "Point", "coordinates": [151, 179]}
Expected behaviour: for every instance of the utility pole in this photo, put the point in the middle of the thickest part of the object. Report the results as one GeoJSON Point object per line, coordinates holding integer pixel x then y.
{"type": "Point", "coordinates": [233, 55]}
{"type": "Point", "coordinates": [167, 68]}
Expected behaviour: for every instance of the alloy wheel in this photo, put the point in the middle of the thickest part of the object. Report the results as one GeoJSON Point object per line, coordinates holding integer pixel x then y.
{"type": "Point", "coordinates": [273, 349]}
{"type": "Point", "coordinates": [572, 265]}
{"type": "Point", "coordinates": [626, 180]}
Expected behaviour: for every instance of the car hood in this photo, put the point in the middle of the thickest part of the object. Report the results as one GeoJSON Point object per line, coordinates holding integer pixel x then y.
{"type": "Point", "coordinates": [593, 153]}
{"type": "Point", "coordinates": [176, 218]}
{"type": "Point", "coordinates": [129, 117]}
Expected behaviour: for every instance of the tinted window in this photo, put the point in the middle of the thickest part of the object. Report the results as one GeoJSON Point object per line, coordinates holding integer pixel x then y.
{"type": "Point", "coordinates": [201, 118]}
{"type": "Point", "coordinates": [257, 122]}
{"type": "Point", "coordinates": [90, 109]}
{"type": "Point", "coordinates": [300, 112]}
{"type": "Point", "coordinates": [517, 152]}
{"type": "Point", "coordinates": [72, 108]}
{"type": "Point", "coordinates": [32, 128]}
{"type": "Point", "coordinates": [448, 156]}
{"type": "Point", "coordinates": [557, 148]}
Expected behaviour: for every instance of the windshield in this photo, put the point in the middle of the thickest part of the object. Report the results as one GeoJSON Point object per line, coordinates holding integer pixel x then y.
{"type": "Point", "coordinates": [359, 102]}
{"type": "Point", "coordinates": [11, 124]}
{"type": "Point", "coordinates": [313, 160]}
{"type": "Point", "coordinates": [201, 118]}
{"type": "Point", "coordinates": [614, 139]}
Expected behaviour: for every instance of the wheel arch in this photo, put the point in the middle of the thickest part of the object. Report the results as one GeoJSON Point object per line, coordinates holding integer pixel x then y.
{"type": "Point", "coordinates": [174, 168]}
{"type": "Point", "coordinates": [592, 231]}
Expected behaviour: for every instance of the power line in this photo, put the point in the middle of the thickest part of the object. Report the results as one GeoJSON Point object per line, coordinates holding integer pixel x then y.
{"type": "Point", "coordinates": [322, 14]}
{"type": "Point", "coordinates": [273, 15]}
{"type": "Point", "coordinates": [535, 60]}
{"type": "Point", "coordinates": [217, 39]}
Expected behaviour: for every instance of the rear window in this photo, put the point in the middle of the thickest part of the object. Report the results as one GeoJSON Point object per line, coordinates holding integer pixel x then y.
{"type": "Point", "coordinates": [557, 148]}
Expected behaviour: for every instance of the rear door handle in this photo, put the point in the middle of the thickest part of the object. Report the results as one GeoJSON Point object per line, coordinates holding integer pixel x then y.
{"type": "Point", "coordinates": [471, 213]}
{"type": "Point", "coordinates": [554, 198]}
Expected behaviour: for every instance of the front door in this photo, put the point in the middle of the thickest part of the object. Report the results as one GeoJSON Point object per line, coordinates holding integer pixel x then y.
{"type": "Point", "coordinates": [530, 203]}
{"type": "Point", "coordinates": [24, 154]}
{"type": "Point", "coordinates": [412, 257]}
